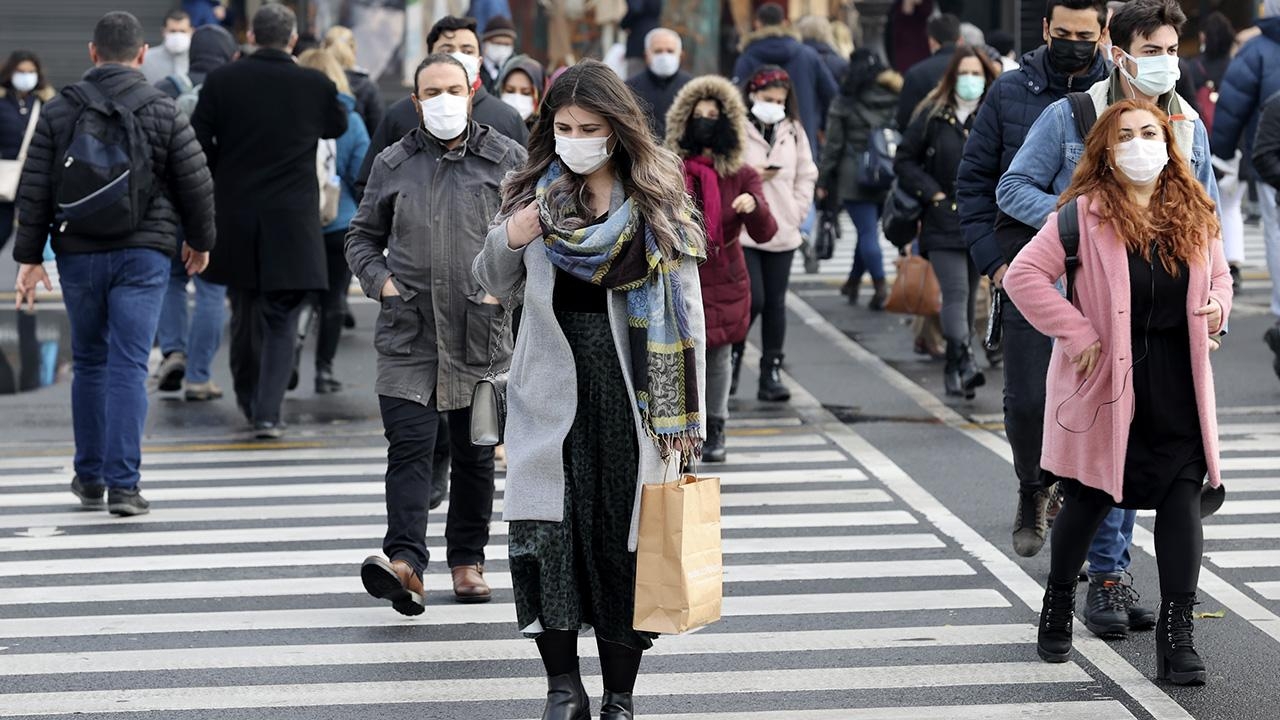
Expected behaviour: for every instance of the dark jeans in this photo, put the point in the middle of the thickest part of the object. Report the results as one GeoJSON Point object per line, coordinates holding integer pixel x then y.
{"type": "Point", "coordinates": [411, 430]}
{"type": "Point", "coordinates": [867, 256]}
{"type": "Point", "coordinates": [770, 274]}
{"type": "Point", "coordinates": [113, 303]}
{"type": "Point", "coordinates": [264, 327]}
{"type": "Point", "coordinates": [332, 309]}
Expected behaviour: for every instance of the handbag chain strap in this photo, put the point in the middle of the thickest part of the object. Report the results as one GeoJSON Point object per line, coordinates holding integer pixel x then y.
{"type": "Point", "coordinates": [493, 346]}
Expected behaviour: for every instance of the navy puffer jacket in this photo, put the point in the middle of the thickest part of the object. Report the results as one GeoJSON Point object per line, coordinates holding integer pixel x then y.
{"type": "Point", "coordinates": [1011, 106]}
{"type": "Point", "coordinates": [1252, 77]}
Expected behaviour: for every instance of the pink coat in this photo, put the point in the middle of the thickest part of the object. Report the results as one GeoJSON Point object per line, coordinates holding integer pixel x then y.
{"type": "Point", "coordinates": [1095, 456]}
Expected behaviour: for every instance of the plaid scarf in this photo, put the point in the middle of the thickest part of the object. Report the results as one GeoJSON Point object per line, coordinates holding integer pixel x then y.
{"type": "Point", "coordinates": [663, 368]}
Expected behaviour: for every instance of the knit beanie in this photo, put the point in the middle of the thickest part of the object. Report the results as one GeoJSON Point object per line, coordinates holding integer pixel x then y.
{"type": "Point", "coordinates": [500, 26]}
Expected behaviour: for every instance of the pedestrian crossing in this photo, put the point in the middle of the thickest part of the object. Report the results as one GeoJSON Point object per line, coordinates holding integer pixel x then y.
{"type": "Point", "coordinates": [239, 597]}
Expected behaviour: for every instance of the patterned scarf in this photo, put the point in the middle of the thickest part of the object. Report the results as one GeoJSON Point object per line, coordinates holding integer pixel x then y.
{"type": "Point", "coordinates": [663, 366]}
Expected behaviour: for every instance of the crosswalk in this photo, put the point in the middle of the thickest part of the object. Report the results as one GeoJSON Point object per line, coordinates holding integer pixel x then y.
{"type": "Point", "coordinates": [239, 597]}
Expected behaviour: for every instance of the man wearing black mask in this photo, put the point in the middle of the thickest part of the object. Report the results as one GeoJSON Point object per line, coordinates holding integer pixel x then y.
{"type": "Point", "coordinates": [1070, 62]}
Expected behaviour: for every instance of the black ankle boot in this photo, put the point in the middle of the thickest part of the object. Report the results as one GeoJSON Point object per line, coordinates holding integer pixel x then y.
{"type": "Point", "coordinates": [736, 372]}
{"type": "Point", "coordinates": [1176, 658]}
{"type": "Point", "coordinates": [1053, 642]}
{"type": "Point", "coordinates": [713, 450]}
{"type": "Point", "coordinates": [616, 706]}
{"type": "Point", "coordinates": [326, 383]}
{"type": "Point", "coordinates": [971, 378]}
{"type": "Point", "coordinates": [566, 698]}
{"type": "Point", "coordinates": [951, 371]}
{"type": "Point", "coordinates": [881, 295]}
{"type": "Point", "coordinates": [771, 387]}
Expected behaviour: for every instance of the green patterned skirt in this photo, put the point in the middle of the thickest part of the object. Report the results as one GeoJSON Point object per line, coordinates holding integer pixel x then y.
{"type": "Point", "coordinates": [578, 573]}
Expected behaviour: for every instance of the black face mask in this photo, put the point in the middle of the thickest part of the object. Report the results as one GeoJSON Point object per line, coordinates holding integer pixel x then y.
{"type": "Point", "coordinates": [702, 131]}
{"type": "Point", "coordinates": [1071, 56]}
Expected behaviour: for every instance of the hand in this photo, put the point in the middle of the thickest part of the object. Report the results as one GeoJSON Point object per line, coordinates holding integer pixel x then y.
{"type": "Point", "coordinates": [194, 260]}
{"type": "Point", "coordinates": [744, 204]}
{"type": "Point", "coordinates": [523, 227]}
{"type": "Point", "coordinates": [389, 289]}
{"type": "Point", "coordinates": [1213, 314]}
{"type": "Point", "coordinates": [29, 277]}
{"type": "Point", "coordinates": [767, 174]}
{"type": "Point", "coordinates": [220, 12]}
{"type": "Point", "coordinates": [938, 197]}
{"type": "Point", "coordinates": [1086, 361]}
{"type": "Point", "coordinates": [820, 193]}
{"type": "Point", "coordinates": [998, 278]}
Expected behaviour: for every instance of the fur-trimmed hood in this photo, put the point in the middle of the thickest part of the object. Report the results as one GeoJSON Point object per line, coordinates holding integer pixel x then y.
{"type": "Point", "coordinates": [709, 87]}
{"type": "Point", "coordinates": [43, 94]}
{"type": "Point", "coordinates": [768, 31]}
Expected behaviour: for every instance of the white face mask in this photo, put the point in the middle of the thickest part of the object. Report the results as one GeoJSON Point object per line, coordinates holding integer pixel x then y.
{"type": "Point", "coordinates": [177, 43]}
{"type": "Point", "coordinates": [471, 63]}
{"type": "Point", "coordinates": [25, 82]}
{"type": "Point", "coordinates": [664, 65]}
{"type": "Point", "coordinates": [583, 155]}
{"type": "Point", "coordinates": [498, 54]}
{"type": "Point", "coordinates": [1157, 74]}
{"type": "Point", "coordinates": [445, 115]}
{"type": "Point", "coordinates": [768, 113]}
{"type": "Point", "coordinates": [1141, 160]}
{"type": "Point", "coordinates": [522, 103]}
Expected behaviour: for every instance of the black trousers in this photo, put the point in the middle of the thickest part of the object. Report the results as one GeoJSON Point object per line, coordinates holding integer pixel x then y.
{"type": "Point", "coordinates": [411, 430]}
{"type": "Point", "coordinates": [1026, 365]}
{"type": "Point", "coordinates": [770, 275]}
{"type": "Point", "coordinates": [331, 308]}
{"type": "Point", "coordinates": [264, 327]}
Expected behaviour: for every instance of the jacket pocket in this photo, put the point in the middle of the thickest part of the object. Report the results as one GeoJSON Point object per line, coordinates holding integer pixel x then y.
{"type": "Point", "coordinates": [399, 325]}
{"type": "Point", "coordinates": [481, 327]}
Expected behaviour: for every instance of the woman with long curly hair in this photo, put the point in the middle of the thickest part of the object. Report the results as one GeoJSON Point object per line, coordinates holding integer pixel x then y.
{"type": "Point", "coordinates": [598, 241]}
{"type": "Point", "coordinates": [1130, 414]}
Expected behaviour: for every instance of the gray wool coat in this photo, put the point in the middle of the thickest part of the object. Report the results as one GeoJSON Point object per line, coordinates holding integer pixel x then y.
{"type": "Point", "coordinates": [542, 387]}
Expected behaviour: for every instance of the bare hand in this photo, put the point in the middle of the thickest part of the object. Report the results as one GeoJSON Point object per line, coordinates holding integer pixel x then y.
{"type": "Point", "coordinates": [220, 12]}
{"type": "Point", "coordinates": [767, 174]}
{"type": "Point", "coordinates": [194, 261]}
{"type": "Point", "coordinates": [389, 289]}
{"type": "Point", "coordinates": [939, 197]}
{"type": "Point", "coordinates": [1086, 361]}
{"type": "Point", "coordinates": [998, 278]}
{"type": "Point", "coordinates": [744, 204]}
{"type": "Point", "coordinates": [821, 193]}
{"type": "Point", "coordinates": [524, 227]}
{"type": "Point", "coordinates": [1213, 314]}
{"type": "Point", "coordinates": [29, 277]}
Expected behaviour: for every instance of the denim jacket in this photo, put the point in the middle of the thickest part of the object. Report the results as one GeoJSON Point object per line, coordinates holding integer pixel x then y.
{"type": "Point", "coordinates": [1043, 167]}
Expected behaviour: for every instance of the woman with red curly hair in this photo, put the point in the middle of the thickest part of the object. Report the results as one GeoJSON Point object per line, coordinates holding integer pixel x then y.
{"type": "Point", "coordinates": [1130, 414]}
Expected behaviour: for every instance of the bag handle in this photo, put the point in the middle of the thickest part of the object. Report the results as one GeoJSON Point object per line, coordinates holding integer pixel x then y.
{"type": "Point", "coordinates": [31, 131]}
{"type": "Point", "coordinates": [493, 347]}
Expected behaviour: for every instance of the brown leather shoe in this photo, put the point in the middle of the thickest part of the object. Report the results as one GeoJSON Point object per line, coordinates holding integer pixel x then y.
{"type": "Point", "coordinates": [469, 585]}
{"type": "Point", "coordinates": [395, 581]}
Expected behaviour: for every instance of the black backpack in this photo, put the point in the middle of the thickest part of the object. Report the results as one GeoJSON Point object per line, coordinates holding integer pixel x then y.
{"type": "Point", "coordinates": [1085, 115]}
{"type": "Point", "coordinates": [875, 167]}
{"type": "Point", "coordinates": [105, 179]}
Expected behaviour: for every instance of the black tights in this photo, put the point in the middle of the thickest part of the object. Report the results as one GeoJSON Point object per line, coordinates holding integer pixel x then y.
{"type": "Point", "coordinates": [618, 663]}
{"type": "Point", "coordinates": [1179, 538]}
{"type": "Point", "coordinates": [770, 275]}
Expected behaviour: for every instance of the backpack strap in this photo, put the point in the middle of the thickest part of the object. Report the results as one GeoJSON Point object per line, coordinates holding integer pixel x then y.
{"type": "Point", "coordinates": [1084, 112]}
{"type": "Point", "coordinates": [1069, 235]}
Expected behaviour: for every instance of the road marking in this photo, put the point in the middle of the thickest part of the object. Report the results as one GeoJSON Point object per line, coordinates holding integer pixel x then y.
{"type": "Point", "coordinates": [1250, 463]}
{"type": "Point", "coordinates": [453, 614]}
{"type": "Point", "coordinates": [1255, 443]}
{"type": "Point", "coordinates": [1252, 485]}
{"type": "Point", "coordinates": [806, 457]}
{"type": "Point", "coordinates": [1268, 590]}
{"type": "Point", "coordinates": [776, 441]}
{"type": "Point", "coordinates": [214, 457]}
{"type": "Point", "coordinates": [1078, 710]}
{"type": "Point", "coordinates": [1241, 531]}
{"type": "Point", "coordinates": [1243, 558]}
{"type": "Point", "coordinates": [178, 475]}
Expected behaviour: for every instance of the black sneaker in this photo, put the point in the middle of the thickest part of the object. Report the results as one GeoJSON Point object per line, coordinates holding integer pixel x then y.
{"type": "Point", "coordinates": [171, 372]}
{"type": "Point", "coordinates": [1106, 608]}
{"type": "Point", "coordinates": [1272, 338]}
{"type": "Point", "coordinates": [90, 495]}
{"type": "Point", "coordinates": [127, 502]}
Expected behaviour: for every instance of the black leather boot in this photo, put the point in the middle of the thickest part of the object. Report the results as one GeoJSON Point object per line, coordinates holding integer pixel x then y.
{"type": "Point", "coordinates": [881, 295]}
{"type": "Point", "coordinates": [325, 381]}
{"type": "Point", "coordinates": [1053, 642]}
{"type": "Point", "coordinates": [616, 706]}
{"type": "Point", "coordinates": [951, 371]}
{"type": "Point", "coordinates": [566, 698]}
{"type": "Point", "coordinates": [713, 450]}
{"type": "Point", "coordinates": [771, 387]}
{"type": "Point", "coordinates": [736, 372]}
{"type": "Point", "coordinates": [971, 378]}
{"type": "Point", "coordinates": [1176, 658]}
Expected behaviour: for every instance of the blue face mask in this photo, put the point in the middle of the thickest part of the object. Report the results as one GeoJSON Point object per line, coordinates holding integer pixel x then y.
{"type": "Point", "coordinates": [970, 87]}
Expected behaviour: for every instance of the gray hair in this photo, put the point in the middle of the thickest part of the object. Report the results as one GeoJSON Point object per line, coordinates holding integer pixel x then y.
{"type": "Point", "coordinates": [814, 27]}
{"type": "Point", "coordinates": [650, 36]}
{"type": "Point", "coordinates": [973, 35]}
{"type": "Point", "coordinates": [273, 26]}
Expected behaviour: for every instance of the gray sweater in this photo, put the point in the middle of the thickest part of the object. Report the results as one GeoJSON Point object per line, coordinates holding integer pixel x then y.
{"type": "Point", "coordinates": [542, 387]}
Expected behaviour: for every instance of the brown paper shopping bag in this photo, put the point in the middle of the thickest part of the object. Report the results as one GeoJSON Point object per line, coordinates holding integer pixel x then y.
{"type": "Point", "coordinates": [679, 570]}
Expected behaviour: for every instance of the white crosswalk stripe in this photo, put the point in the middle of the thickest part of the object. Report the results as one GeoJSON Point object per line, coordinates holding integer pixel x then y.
{"type": "Point", "coordinates": [247, 567]}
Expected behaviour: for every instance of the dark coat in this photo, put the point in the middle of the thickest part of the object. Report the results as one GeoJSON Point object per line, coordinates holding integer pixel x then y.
{"type": "Point", "coordinates": [926, 165]}
{"type": "Point", "coordinates": [642, 16]}
{"type": "Point", "coordinates": [184, 193]}
{"type": "Point", "coordinates": [1010, 107]}
{"type": "Point", "coordinates": [264, 169]}
{"type": "Point", "coordinates": [849, 126]}
{"type": "Point", "coordinates": [656, 95]}
{"type": "Point", "coordinates": [14, 116]}
{"type": "Point", "coordinates": [1266, 145]}
{"type": "Point", "coordinates": [837, 64]}
{"type": "Point", "coordinates": [920, 80]}
{"type": "Point", "coordinates": [402, 118]}
{"type": "Point", "coordinates": [1252, 77]}
{"type": "Point", "coordinates": [368, 99]}
{"type": "Point", "coordinates": [811, 81]}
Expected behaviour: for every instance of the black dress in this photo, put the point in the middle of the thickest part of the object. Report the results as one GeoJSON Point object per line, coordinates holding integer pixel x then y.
{"type": "Point", "coordinates": [1165, 443]}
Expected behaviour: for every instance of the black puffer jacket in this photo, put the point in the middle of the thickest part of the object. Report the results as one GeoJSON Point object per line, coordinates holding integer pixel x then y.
{"type": "Point", "coordinates": [926, 165]}
{"type": "Point", "coordinates": [1266, 145]}
{"type": "Point", "coordinates": [865, 104]}
{"type": "Point", "coordinates": [185, 188]}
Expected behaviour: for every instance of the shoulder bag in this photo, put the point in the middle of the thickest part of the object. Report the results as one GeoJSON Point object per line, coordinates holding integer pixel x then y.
{"type": "Point", "coordinates": [489, 398]}
{"type": "Point", "coordinates": [11, 170]}
{"type": "Point", "coordinates": [915, 290]}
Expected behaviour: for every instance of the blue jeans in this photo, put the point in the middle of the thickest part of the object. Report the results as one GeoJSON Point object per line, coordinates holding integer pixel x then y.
{"type": "Point", "coordinates": [1109, 552]}
{"type": "Point", "coordinates": [113, 303]}
{"type": "Point", "coordinates": [867, 257]}
{"type": "Point", "coordinates": [197, 336]}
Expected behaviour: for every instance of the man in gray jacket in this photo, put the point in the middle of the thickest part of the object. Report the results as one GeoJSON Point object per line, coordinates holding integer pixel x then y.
{"type": "Point", "coordinates": [428, 204]}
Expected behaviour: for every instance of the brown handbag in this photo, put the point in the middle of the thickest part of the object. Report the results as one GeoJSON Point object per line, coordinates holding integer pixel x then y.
{"type": "Point", "coordinates": [915, 289]}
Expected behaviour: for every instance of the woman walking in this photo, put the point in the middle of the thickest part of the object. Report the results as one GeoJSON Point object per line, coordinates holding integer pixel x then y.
{"type": "Point", "coordinates": [1130, 417]}
{"type": "Point", "coordinates": [867, 102]}
{"type": "Point", "coordinates": [520, 82]}
{"type": "Point", "coordinates": [23, 90]}
{"type": "Point", "coordinates": [779, 149]}
{"type": "Point", "coordinates": [598, 242]}
{"type": "Point", "coordinates": [926, 166]}
{"type": "Point", "coordinates": [707, 126]}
